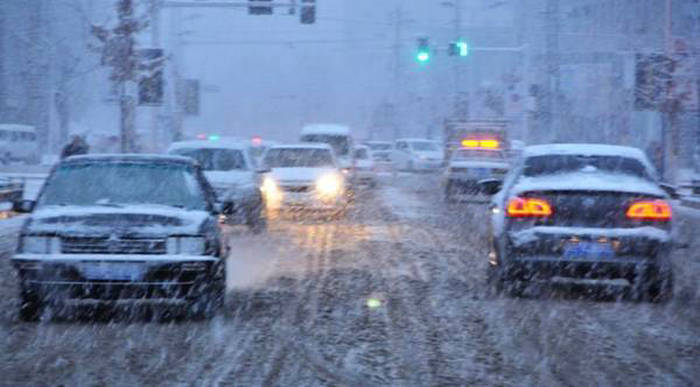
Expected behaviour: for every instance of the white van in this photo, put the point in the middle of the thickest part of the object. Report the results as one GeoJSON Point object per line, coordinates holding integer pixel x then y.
{"type": "Point", "coordinates": [337, 136]}
{"type": "Point", "coordinates": [18, 143]}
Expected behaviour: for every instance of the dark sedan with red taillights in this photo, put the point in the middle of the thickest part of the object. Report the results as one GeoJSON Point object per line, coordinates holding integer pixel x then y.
{"type": "Point", "coordinates": [582, 212]}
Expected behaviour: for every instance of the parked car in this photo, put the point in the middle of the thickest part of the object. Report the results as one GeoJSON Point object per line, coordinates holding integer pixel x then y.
{"type": "Point", "coordinates": [232, 172]}
{"type": "Point", "coordinates": [18, 143]}
{"type": "Point", "coordinates": [365, 166]}
{"type": "Point", "coordinates": [582, 211]}
{"type": "Point", "coordinates": [122, 227]}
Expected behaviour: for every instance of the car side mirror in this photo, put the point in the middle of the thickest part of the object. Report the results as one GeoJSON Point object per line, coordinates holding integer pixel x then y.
{"type": "Point", "coordinates": [490, 186]}
{"type": "Point", "coordinates": [23, 206]}
{"type": "Point", "coordinates": [671, 190]}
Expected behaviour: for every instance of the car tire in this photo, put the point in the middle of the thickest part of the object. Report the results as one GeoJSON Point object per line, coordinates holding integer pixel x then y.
{"type": "Point", "coordinates": [494, 278]}
{"type": "Point", "coordinates": [449, 193]}
{"type": "Point", "coordinates": [256, 219]}
{"type": "Point", "coordinates": [658, 286]}
{"type": "Point", "coordinates": [31, 306]}
{"type": "Point", "coordinates": [206, 305]}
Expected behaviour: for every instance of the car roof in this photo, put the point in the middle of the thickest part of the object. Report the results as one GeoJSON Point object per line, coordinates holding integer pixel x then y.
{"type": "Point", "coordinates": [331, 129]}
{"type": "Point", "coordinates": [584, 149]}
{"type": "Point", "coordinates": [304, 145]}
{"type": "Point", "coordinates": [206, 144]}
{"type": "Point", "coordinates": [128, 157]}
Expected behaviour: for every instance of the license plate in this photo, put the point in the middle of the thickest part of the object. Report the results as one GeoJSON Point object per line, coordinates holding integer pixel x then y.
{"type": "Point", "coordinates": [117, 271]}
{"type": "Point", "coordinates": [588, 250]}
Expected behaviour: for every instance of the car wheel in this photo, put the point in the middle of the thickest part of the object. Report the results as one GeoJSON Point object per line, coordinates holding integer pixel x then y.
{"type": "Point", "coordinates": [494, 278]}
{"type": "Point", "coordinates": [31, 306]}
{"type": "Point", "coordinates": [256, 219]}
{"type": "Point", "coordinates": [449, 193]}
{"type": "Point", "coordinates": [206, 305]}
{"type": "Point", "coordinates": [658, 286]}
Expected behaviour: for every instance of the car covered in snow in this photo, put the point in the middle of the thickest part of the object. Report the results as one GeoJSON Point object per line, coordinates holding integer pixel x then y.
{"type": "Point", "coordinates": [381, 154]}
{"type": "Point", "coordinates": [582, 212]}
{"type": "Point", "coordinates": [232, 171]}
{"type": "Point", "coordinates": [468, 166]}
{"type": "Point", "coordinates": [365, 166]}
{"type": "Point", "coordinates": [415, 154]}
{"type": "Point", "coordinates": [304, 176]}
{"type": "Point", "coordinates": [122, 227]}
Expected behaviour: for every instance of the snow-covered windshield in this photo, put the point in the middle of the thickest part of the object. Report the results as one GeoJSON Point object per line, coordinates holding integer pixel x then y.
{"type": "Point", "coordinates": [298, 157]}
{"type": "Point", "coordinates": [424, 146]}
{"type": "Point", "coordinates": [479, 154]}
{"type": "Point", "coordinates": [340, 144]}
{"type": "Point", "coordinates": [119, 184]}
{"type": "Point", "coordinates": [215, 159]}
{"type": "Point", "coordinates": [555, 164]}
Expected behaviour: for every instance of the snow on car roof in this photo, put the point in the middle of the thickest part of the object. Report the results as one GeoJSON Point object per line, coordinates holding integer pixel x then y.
{"type": "Point", "coordinates": [584, 149]}
{"type": "Point", "coordinates": [205, 144]}
{"type": "Point", "coordinates": [588, 181]}
{"type": "Point", "coordinates": [334, 129]}
{"type": "Point", "coordinates": [305, 145]}
{"type": "Point", "coordinates": [140, 157]}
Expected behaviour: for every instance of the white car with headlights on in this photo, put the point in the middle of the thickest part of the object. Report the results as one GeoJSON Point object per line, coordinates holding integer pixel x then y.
{"type": "Point", "coordinates": [303, 176]}
{"type": "Point", "coordinates": [136, 228]}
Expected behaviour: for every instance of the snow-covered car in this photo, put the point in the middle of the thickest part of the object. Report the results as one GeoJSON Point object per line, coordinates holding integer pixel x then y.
{"type": "Point", "coordinates": [413, 154]}
{"type": "Point", "coordinates": [304, 176]}
{"type": "Point", "coordinates": [122, 227]}
{"type": "Point", "coordinates": [582, 211]}
{"type": "Point", "coordinates": [230, 169]}
{"type": "Point", "coordinates": [468, 166]}
{"type": "Point", "coordinates": [365, 168]}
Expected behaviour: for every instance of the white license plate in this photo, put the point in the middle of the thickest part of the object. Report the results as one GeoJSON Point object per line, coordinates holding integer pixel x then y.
{"type": "Point", "coordinates": [117, 271]}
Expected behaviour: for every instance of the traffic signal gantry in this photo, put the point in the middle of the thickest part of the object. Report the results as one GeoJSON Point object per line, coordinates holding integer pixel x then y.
{"type": "Point", "coordinates": [424, 52]}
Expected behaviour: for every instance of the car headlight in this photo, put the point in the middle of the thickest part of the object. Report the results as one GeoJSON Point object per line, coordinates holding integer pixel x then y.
{"type": "Point", "coordinates": [40, 245]}
{"type": "Point", "coordinates": [270, 189]}
{"type": "Point", "coordinates": [186, 245]}
{"type": "Point", "coordinates": [329, 185]}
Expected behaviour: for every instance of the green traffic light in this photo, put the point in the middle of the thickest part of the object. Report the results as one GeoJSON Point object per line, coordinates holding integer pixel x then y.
{"type": "Point", "coordinates": [463, 48]}
{"type": "Point", "coordinates": [423, 56]}
{"type": "Point", "coordinates": [214, 137]}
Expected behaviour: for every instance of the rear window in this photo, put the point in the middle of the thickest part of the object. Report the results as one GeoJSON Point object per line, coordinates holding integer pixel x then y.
{"type": "Point", "coordinates": [556, 164]}
{"type": "Point", "coordinates": [215, 159]}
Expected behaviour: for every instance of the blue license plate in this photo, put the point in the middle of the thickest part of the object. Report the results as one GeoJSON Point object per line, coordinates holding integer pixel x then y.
{"type": "Point", "coordinates": [588, 250]}
{"type": "Point", "coordinates": [115, 271]}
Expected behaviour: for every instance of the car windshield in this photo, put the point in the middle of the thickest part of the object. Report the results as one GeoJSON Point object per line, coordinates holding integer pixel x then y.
{"type": "Point", "coordinates": [215, 159]}
{"type": "Point", "coordinates": [379, 146]}
{"type": "Point", "coordinates": [298, 157]}
{"type": "Point", "coordinates": [121, 184]}
{"type": "Point", "coordinates": [340, 144]}
{"type": "Point", "coordinates": [424, 146]}
{"type": "Point", "coordinates": [556, 164]}
{"type": "Point", "coordinates": [478, 154]}
{"type": "Point", "coordinates": [361, 154]}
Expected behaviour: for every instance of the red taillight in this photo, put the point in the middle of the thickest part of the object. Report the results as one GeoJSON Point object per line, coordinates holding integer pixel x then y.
{"type": "Point", "coordinates": [649, 210]}
{"type": "Point", "coordinates": [528, 207]}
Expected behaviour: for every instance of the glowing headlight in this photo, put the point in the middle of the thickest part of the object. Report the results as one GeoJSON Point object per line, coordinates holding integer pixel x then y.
{"type": "Point", "coordinates": [186, 245]}
{"type": "Point", "coordinates": [329, 185]}
{"type": "Point", "coordinates": [40, 245]}
{"type": "Point", "coordinates": [268, 185]}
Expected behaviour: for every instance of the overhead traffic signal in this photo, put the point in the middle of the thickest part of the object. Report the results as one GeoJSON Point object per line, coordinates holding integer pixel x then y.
{"type": "Point", "coordinates": [458, 48]}
{"type": "Point", "coordinates": [423, 53]}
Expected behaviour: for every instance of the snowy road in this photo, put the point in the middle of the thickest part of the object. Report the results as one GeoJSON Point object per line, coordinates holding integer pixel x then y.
{"type": "Point", "coordinates": [394, 294]}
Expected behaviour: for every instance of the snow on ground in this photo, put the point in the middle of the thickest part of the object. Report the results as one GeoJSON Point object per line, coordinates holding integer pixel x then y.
{"type": "Point", "coordinates": [394, 294]}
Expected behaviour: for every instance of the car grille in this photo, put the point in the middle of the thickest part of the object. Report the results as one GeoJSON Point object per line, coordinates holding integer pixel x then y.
{"type": "Point", "coordinates": [296, 188]}
{"type": "Point", "coordinates": [90, 245]}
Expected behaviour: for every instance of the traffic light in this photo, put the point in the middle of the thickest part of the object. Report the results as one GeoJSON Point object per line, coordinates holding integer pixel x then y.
{"type": "Point", "coordinates": [308, 12]}
{"type": "Point", "coordinates": [423, 53]}
{"type": "Point", "coordinates": [458, 48]}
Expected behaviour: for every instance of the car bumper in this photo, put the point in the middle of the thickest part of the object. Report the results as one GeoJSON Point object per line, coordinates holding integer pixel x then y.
{"type": "Point", "coordinates": [108, 277]}
{"type": "Point", "coordinates": [306, 200]}
{"type": "Point", "coordinates": [365, 177]}
{"type": "Point", "coordinates": [427, 165]}
{"type": "Point", "coordinates": [547, 267]}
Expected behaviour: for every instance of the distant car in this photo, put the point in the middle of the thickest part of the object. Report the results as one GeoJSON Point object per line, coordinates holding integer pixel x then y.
{"type": "Point", "coordinates": [365, 169]}
{"type": "Point", "coordinates": [417, 155]}
{"type": "Point", "coordinates": [18, 143]}
{"type": "Point", "coordinates": [122, 227]}
{"type": "Point", "coordinates": [381, 154]}
{"type": "Point", "coordinates": [582, 211]}
{"type": "Point", "coordinates": [231, 170]}
{"type": "Point", "coordinates": [304, 176]}
{"type": "Point", "coordinates": [468, 166]}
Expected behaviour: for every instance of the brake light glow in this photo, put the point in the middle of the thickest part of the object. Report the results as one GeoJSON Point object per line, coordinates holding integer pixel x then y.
{"type": "Point", "coordinates": [470, 143]}
{"type": "Point", "coordinates": [528, 207]}
{"type": "Point", "coordinates": [490, 144]}
{"type": "Point", "coordinates": [649, 210]}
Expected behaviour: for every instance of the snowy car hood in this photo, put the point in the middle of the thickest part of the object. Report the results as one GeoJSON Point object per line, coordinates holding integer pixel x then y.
{"type": "Point", "coordinates": [137, 219]}
{"type": "Point", "coordinates": [589, 182]}
{"type": "Point", "coordinates": [225, 179]}
{"type": "Point", "coordinates": [299, 174]}
{"type": "Point", "coordinates": [478, 164]}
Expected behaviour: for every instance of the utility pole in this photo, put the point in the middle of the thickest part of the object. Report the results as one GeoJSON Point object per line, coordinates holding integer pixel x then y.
{"type": "Point", "coordinates": [669, 138]}
{"type": "Point", "coordinates": [396, 94]}
{"type": "Point", "coordinates": [155, 43]}
{"type": "Point", "coordinates": [552, 63]}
